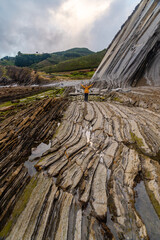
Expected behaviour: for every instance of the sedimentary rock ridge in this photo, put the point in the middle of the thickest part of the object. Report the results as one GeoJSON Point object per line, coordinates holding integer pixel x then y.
{"type": "Point", "coordinates": [10, 94]}
{"type": "Point", "coordinates": [24, 76]}
{"type": "Point", "coordinates": [133, 56]}
{"type": "Point", "coordinates": [18, 134]}
{"type": "Point", "coordinates": [90, 172]}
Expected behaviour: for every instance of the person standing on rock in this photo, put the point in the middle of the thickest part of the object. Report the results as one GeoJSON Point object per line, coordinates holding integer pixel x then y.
{"type": "Point", "coordinates": [86, 91]}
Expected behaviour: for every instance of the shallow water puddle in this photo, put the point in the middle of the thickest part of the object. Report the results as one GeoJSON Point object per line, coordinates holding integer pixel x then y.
{"type": "Point", "coordinates": [108, 174]}
{"type": "Point", "coordinates": [88, 134]}
{"type": "Point", "coordinates": [39, 150]}
{"type": "Point", "coordinates": [110, 225]}
{"type": "Point", "coordinates": [36, 153]}
{"type": "Point", "coordinates": [147, 212]}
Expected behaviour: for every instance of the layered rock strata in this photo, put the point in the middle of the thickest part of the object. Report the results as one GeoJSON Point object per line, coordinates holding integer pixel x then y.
{"type": "Point", "coordinates": [24, 76]}
{"type": "Point", "coordinates": [14, 93]}
{"type": "Point", "coordinates": [18, 134]}
{"type": "Point", "coordinates": [144, 97]}
{"type": "Point", "coordinates": [133, 57]}
{"type": "Point", "coordinates": [89, 174]}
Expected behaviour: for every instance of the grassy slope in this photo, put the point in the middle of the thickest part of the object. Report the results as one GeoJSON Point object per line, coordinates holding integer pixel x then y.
{"type": "Point", "coordinates": [53, 58]}
{"type": "Point", "coordinates": [58, 57]}
{"type": "Point", "coordinates": [5, 62]}
{"type": "Point", "coordinates": [85, 62]}
{"type": "Point", "coordinates": [67, 65]}
{"type": "Point", "coordinates": [3, 72]}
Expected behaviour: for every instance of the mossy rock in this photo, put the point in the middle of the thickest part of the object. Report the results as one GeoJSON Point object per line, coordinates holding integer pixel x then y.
{"type": "Point", "coordinates": [19, 207]}
{"type": "Point", "coordinates": [117, 99]}
{"type": "Point", "coordinates": [154, 201]}
{"type": "Point", "coordinates": [137, 140]}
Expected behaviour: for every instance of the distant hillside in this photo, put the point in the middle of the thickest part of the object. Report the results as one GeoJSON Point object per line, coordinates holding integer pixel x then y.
{"type": "Point", "coordinates": [85, 62]}
{"type": "Point", "coordinates": [45, 59]}
{"type": "Point", "coordinates": [58, 57]}
{"type": "Point", "coordinates": [64, 61]}
{"type": "Point", "coordinates": [7, 61]}
{"type": "Point", "coordinates": [74, 52]}
{"type": "Point", "coordinates": [26, 60]}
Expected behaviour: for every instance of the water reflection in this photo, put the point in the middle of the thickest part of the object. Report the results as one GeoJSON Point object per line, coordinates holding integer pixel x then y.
{"type": "Point", "coordinates": [36, 154]}
{"type": "Point", "coordinates": [147, 212]}
{"type": "Point", "coordinates": [110, 225]}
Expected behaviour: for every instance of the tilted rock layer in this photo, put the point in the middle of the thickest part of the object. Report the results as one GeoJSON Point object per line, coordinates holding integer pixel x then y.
{"type": "Point", "coordinates": [89, 174]}
{"type": "Point", "coordinates": [18, 134]}
{"type": "Point", "coordinates": [20, 75]}
{"type": "Point", "coordinates": [133, 58]}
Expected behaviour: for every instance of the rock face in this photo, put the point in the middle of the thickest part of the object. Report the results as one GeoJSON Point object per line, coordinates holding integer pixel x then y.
{"type": "Point", "coordinates": [21, 76]}
{"type": "Point", "coordinates": [88, 176]}
{"type": "Point", "coordinates": [18, 133]}
{"type": "Point", "coordinates": [133, 57]}
{"type": "Point", "coordinates": [85, 184]}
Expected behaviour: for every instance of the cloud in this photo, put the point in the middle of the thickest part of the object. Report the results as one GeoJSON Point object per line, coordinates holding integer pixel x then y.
{"type": "Point", "coordinates": [75, 16]}
{"type": "Point", "coordinates": [75, 20]}
{"type": "Point", "coordinates": [24, 26]}
{"type": "Point", "coordinates": [53, 25]}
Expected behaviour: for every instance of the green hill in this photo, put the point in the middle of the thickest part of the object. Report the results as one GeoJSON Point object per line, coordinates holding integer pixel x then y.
{"type": "Point", "coordinates": [85, 62]}
{"type": "Point", "coordinates": [7, 61]}
{"type": "Point", "coordinates": [74, 52]}
{"type": "Point", "coordinates": [76, 63]}
{"type": "Point", "coordinates": [26, 60]}
{"type": "Point", "coordinates": [38, 61]}
{"type": "Point", "coordinates": [58, 57]}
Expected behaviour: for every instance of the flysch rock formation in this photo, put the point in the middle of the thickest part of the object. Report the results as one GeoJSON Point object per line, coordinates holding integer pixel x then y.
{"type": "Point", "coordinates": [86, 180]}
{"type": "Point", "coordinates": [133, 57]}
{"type": "Point", "coordinates": [10, 75]}
{"type": "Point", "coordinates": [18, 134]}
{"type": "Point", "coordinates": [88, 184]}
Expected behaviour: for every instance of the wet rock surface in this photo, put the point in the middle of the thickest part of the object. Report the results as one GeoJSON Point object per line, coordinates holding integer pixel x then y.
{"type": "Point", "coordinates": [18, 134]}
{"type": "Point", "coordinates": [85, 184]}
{"type": "Point", "coordinates": [144, 97]}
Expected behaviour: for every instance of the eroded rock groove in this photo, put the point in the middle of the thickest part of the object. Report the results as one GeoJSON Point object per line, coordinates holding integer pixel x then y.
{"type": "Point", "coordinates": [95, 156]}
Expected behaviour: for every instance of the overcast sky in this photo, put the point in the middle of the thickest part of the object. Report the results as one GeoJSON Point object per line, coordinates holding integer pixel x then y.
{"type": "Point", "coordinates": [54, 25]}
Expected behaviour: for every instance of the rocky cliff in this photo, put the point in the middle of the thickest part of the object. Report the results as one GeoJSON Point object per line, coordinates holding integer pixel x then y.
{"type": "Point", "coordinates": [16, 75]}
{"type": "Point", "coordinates": [133, 57]}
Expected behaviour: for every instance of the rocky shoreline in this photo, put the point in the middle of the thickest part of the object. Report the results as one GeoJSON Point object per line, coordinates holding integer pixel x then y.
{"type": "Point", "coordinates": [18, 92]}
{"type": "Point", "coordinates": [84, 187]}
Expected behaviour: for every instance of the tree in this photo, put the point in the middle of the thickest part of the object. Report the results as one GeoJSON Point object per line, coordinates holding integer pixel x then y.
{"type": "Point", "coordinates": [19, 53]}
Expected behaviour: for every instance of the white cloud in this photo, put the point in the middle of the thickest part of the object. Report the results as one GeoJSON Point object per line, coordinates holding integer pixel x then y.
{"type": "Point", "coordinates": [75, 16]}
{"type": "Point", "coordinates": [53, 25]}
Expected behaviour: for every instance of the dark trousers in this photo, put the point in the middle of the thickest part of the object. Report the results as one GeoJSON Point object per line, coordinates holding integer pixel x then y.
{"type": "Point", "coordinates": [86, 97]}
